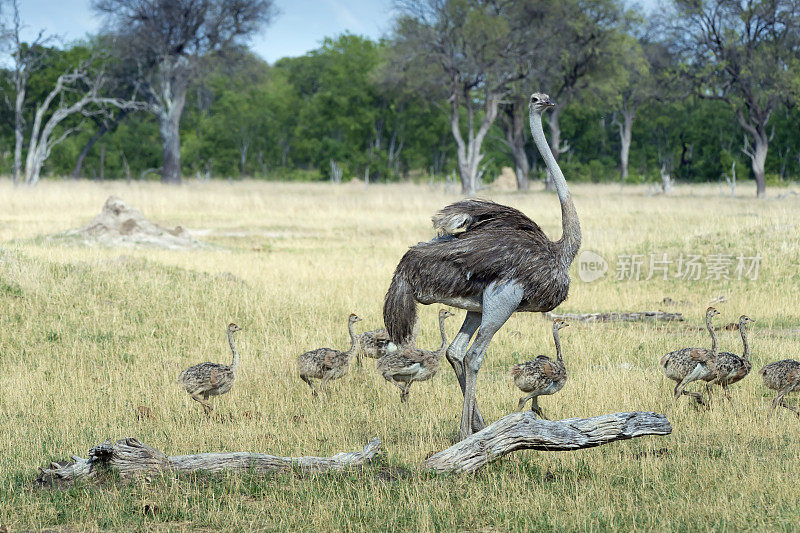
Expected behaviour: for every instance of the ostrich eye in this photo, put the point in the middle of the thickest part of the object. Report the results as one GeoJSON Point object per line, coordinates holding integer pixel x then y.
{"type": "Point", "coordinates": [534, 99]}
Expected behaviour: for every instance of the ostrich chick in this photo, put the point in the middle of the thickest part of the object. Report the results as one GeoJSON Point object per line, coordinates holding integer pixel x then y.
{"type": "Point", "coordinates": [729, 367]}
{"type": "Point", "coordinates": [784, 377]}
{"type": "Point", "coordinates": [211, 379]}
{"type": "Point", "coordinates": [326, 363]}
{"type": "Point", "coordinates": [404, 367]}
{"type": "Point", "coordinates": [377, 343]}
{"type": "Point", "coordinates": [542, 376]}
{"type": "Point", "coordinates": [692, 364]}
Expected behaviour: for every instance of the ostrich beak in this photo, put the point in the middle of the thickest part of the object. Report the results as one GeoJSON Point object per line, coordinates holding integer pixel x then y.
{"type": "Point", "coordinates": [549, 103]}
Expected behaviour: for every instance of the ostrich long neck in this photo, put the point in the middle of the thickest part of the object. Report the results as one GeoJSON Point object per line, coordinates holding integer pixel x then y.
{"type": "Point", "coordinates": [443, 333]}
{"type": "Point", "coordinates": [570, 225]}
{"type": "Point", "coordinates": [235, 353]}
{"type": "Point", "coordinates": [743, 331]}
{"type": "Point", "coordinates": [353, 337]}
{"type": "Point", "coordinates": [556, 338]}
{"type": "Point", "coordinates": [714, 345]}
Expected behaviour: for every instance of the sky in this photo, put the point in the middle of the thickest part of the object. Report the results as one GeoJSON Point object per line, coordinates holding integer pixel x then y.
{"type": "Point", "coordinates": [300, 25]}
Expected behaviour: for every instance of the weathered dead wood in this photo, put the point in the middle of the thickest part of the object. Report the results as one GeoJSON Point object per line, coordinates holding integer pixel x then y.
{"type": "Point", "coordinates": [523, 431]}
{"type": "Point", "coordinates": [129, 456]}
{"type": "Point", "coordinates": [618, 317]}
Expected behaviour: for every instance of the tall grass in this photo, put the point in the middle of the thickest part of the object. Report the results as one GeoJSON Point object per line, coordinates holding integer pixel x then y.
{"type": "Point", "coordinates": [90, 334]}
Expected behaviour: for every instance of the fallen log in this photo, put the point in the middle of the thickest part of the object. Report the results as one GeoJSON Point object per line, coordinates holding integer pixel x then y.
{"type": "Point", "coordinates": [523, 431]}
{"type": "Point", "coordinates": [618, 317]}
{"type": "Point", "coordinates": [128, 456]}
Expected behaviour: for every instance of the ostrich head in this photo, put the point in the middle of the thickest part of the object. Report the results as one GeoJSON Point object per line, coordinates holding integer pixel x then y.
{"type": "Point", "coordinates": [711, 312]}
{"type": "Point", "coordinates": [233, 328]}
{"type": "Point", "coordinates": [444, 313]}
{"type": "Point", "coordinates": [744, 319]}
{"type": "Point", "coordinates": [560, 324]}
{"type": "Point", "coordinates": [354, 318]}
{"type": "Point", "coordinates": [540, 102]}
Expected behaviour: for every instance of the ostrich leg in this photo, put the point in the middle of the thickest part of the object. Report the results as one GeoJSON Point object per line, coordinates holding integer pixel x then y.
{"type": "Point", "coordinates": [500, 300]}
{"type": "Point", "coordinates": [780, 401]}
{"type": "Point", "coordinates": [458, 349]}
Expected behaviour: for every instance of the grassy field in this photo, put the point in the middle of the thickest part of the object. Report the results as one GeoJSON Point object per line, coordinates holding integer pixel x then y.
{"type": "Point", "coordinates": [90, 334]}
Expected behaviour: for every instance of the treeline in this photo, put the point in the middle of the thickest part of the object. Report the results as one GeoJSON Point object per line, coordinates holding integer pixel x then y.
{"type": "Point", "coordinates": [698, 92]}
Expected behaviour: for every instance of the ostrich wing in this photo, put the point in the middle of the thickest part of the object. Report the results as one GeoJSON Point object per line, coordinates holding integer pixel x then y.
{"type": "Point", "coordinates": [472, 215]}
{"type": "Point", "coordinates": [333, 358]}
{"type": "Point", "coordinates": [407, 371]}
{"type": "Point", "coordinates": [465, 265]}
{"type": "Point", "coordinates": [548, 370]}
{"type": "Point", "coordinates": [701, 355]}
{"type": "Point", "coordinates": [414, 355]}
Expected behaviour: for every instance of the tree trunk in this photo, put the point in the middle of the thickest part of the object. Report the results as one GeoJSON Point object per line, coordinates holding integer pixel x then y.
{"type": "Point", "coordinates": [102, 163]}
{"type": "Point", "coordinates": [128, 456]}
{"type": "Point", "coordinates": [469, 150]}
{"type": "Point", "coordinates": [76, 172]}
{"type": "Point", "coordinates": [171, 146]}
{"type": "Point", "coordinates": [757, 129]}
{"type": "Point", "coordinates": [19, 126]}
{"type": "Point", "coordinates": [102, 130]}
{"type": "Point", "coordinates": [666, 179]}
{"type": "Point", "coordinates": [625, 133]}
{"type": "Point", "coordinates": [758, 161]}
{"type": "Point", "coordinates": [515, 139]}
{"type": "Point", "coordinates": [169, 126]}
{"type": "Point", "coordinates": [523, 431]}
{"type": "Point", "coordinates": [243, 157]}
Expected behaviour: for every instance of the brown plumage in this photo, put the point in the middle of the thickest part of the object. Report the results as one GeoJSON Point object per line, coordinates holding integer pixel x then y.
{"type": "Point", "coordinates": [729, 367]}
{"type": "Point", "coordinates": [326, 363]}
{"type": "Point", "coordinates": [497, 244]}
{"type": "Point", "coordinates": [784, 377]}
{"type": "Point", "coordinates": [542, 376]}
{"type": "Point", "coordinates": [409, 364]}
{"type": "Point", "coordinates": [211, 379]}
{"type": "Point", "coordinates": [376, 343]}
{"type": "Point", "coordinates": [692, 364]}
{"type": "Point", "coordinates": [491, 260]}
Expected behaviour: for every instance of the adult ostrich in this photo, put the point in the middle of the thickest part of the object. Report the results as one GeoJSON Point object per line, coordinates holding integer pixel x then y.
{"type": "Point", "coordinates": [491, 260]}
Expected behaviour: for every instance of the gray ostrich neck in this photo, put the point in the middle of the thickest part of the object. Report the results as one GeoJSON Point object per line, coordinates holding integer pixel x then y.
{"type": "Point", "coordinates": [570, 239]}
{"type": "Point", "coordinates": [556, 338]}
{"type": "Point", "coordinates": [743, 331]}
{"type": "Point", "coordinates": [235, 353]}
{"type": "Point", "coordinates": [714, 345]}
{"type": "Point", "coordinates": [353, 337]}
{"type": "Point", "coordinates": [443, 333]}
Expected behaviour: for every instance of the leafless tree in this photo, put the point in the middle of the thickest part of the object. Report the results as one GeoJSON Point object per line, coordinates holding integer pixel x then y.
{"type": "Point", "coordinates": [27, 58]}
{"type": "Point", "coordinates": [87, 82]}
{"type": "Point", "coordinates": [167, 40]}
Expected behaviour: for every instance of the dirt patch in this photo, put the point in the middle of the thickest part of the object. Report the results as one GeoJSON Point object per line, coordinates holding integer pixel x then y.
{"type": "Point", "coordinates": [119, 224]}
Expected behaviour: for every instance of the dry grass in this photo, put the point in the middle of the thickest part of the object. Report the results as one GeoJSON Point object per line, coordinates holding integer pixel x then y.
{"type": "Point", "coordinates": [91, 334]}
